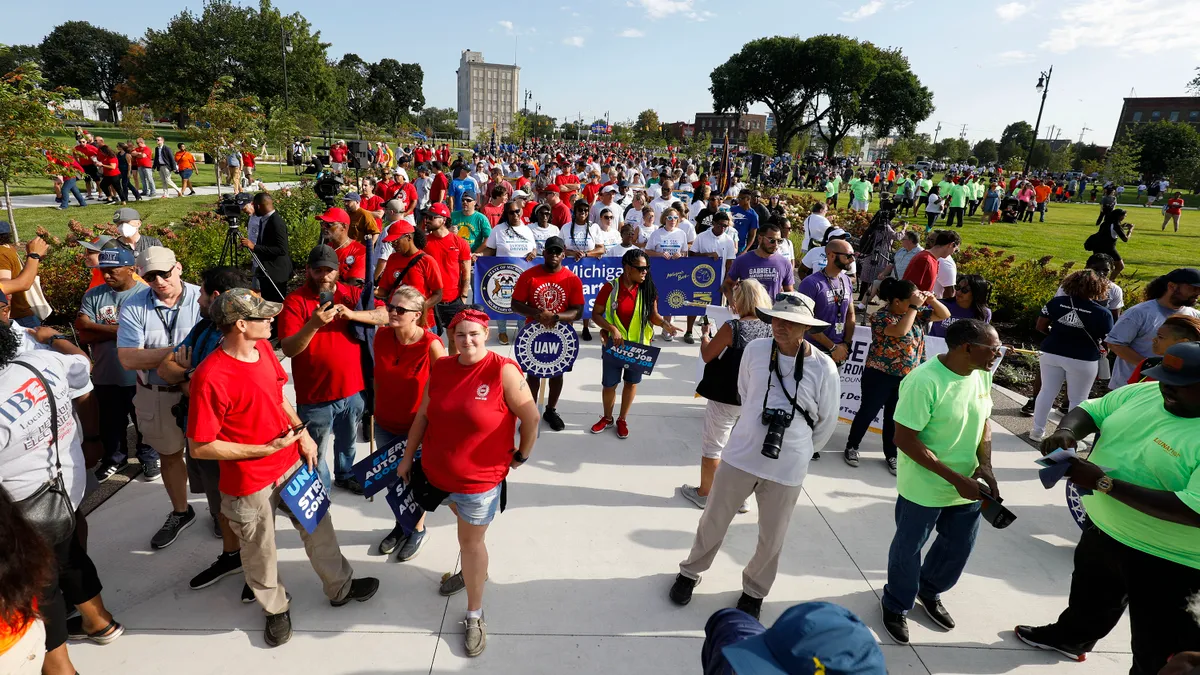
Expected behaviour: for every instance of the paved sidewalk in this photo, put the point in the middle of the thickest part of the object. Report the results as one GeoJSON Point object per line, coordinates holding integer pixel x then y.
{"type": "Point", "coordinates": [581, 563]}
{"type": "Point", "coordinates": [34, 201]}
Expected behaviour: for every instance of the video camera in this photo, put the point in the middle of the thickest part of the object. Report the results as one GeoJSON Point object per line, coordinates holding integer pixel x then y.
{"type": "Point", "coordinates": [230, 207]}
{"type": "Point", "coordinates": [328, 188]}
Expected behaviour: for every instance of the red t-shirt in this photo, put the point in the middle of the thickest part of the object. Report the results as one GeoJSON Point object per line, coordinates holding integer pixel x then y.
{"type": "Point", "coordinates": [492, 213]}
{"type": "Point", "coordinates": [352, 260]}
{"type": "Point", "coordinates": [84, 152]}
{"type": "Point", "coordinates": [522, 181]}
{"type": "Point", "coordinates": [590, 191]}
{"type": "Point", "coordinates": [567, 179]}
{"type": "Point", "coordinates": [372, 203]}
{"type": "Point", "coordinates": [450, 252]}
{"type": "Point", "coordinates": [401, 372]}
{"type": "Point", "coordinates": [527, 212]}
{"type": "Point", "coordinates": [626, 301]}
{"type": "Point", "coordinates": [425, 276]}
{"type": "Point", "coordinates": [553, 291]}
{"type": "Point", "coordinates": [1174, 206]}
{"type": "Point", "coordinates": [922, 271]}
{"type": "Point", "coordinates": [386, 189]}
{"type": "Point", "coordinates": [437, 189]}
{"type": "Point", "coordinates": [560, 214]}
{"type": "Point", "coordinates": [410, 191]}
{"type": "Point", "coordinates": [248, 159]}
{"type": "Point", "coordinates": [241, 402]}
{"type": "Point", "coordinates": [468, 443]}
{"type": "Point", "coordinates": [144, 157]}
{"type": "Point", "coordinates": [109, 165]}
{"type": "Point", "coordinates": [327, 370]}
{"type": "Point", "coordinates": [338, 154]}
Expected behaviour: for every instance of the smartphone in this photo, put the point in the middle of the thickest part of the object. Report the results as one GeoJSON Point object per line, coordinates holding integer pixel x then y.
{"type": "Point", "coordinates": [294, 430]}
{"type": "Point", "coordinates": [325, 298]}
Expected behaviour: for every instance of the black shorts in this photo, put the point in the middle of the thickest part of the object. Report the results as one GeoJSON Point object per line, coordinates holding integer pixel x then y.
{"type": "Point", "coordinates": [75, 582]}
{"type": "Point", "coordinates": [923, 200]}
{"type": "Point", "coordinates": [93, 172]}
{"type": "Point", "coordinates": [444, 312]}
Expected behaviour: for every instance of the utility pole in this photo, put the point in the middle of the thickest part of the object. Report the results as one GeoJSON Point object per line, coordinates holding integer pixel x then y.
{"type": "Point", "coordinates": [1082, 131]}
{"type": "Point", "coordinates": [963, 134]}
{"type": "Point", "coordinates": [937, 131]}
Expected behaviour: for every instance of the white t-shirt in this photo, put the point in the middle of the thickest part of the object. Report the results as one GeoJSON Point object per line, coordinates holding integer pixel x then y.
{"type": "Point", "coordinates": [673, 242]}
{"type": "Point", "coordinates": [659, 205]}
{"type": "Point", "coordinates": [689, 229]}
{"type": "Point", "coordinates": [694, 209]}
{"type": "Point", "coordinates": [633, 216]}
{"type": "Point", "coordinates": [541, 234]}
{"type": "Point", "coordinates": [707, 242]}
{"type": "Point", "coordinates": [787, 250]}
{"type": "Point", "coordinates": [645, 232]}
{"type": "Point", "coordinates": [512, 242]}
{"type": "Point", "coordinates": [26, 454]}
{"type": "Point", "coordinates": [818, 394]}
{"type": "Point", "coordinates": [935, 204]}
{"type": "Point", "coordinates": [584, 239]}
{"type": "Point", "coordinates": [594, 214]}
{"type": "Point", "coordinates": [815, 226]}
{"type": "Point", "coordinates": [618, 250]}
{"type": "Point", "coordinates": [609, 237]}
{"type": "Point", "coordinates": [947, 276]}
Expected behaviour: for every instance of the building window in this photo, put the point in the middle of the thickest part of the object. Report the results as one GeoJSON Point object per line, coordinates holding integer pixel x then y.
{"type": "Point", "coordinates": [1194, 116]}
{"type": "Point", "coordinates": [1137, 116]}
{"type": "Point", "coordinates": [1174, 116]}
{"type": "Point", "coordinates": [1155, 116]}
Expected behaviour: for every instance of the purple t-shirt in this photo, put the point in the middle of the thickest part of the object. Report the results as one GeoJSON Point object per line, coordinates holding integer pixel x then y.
{"type": "Point", "coordinates": [773, 272]}
{"type": "Point", "coordinates": [831, 300]}
{"type": "Point", "coordinates": [938, 328]}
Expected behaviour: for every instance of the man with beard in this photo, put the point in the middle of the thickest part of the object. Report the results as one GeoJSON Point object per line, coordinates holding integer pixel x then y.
{"type": "Point", "coordinates": [1130, 338]}
{"type": "Point", "coordinates": [764, 263]}
{"type": "Point", "coordinates": [1141, 546]}
{"type": "Point", "coordinates": [315, 332]}
{"type": "Point", "coordinates": [833, 299]}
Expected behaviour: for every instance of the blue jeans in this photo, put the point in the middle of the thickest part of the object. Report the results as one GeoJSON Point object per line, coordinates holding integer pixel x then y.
{"type": "Point", "coordinates": [70, 188]}
{"type": "Point", "coordinates": [31, 321]}
{"type": "Point", "coordinates": [907, 576]}
{"type": "Point", "coordinates": [341, 417]}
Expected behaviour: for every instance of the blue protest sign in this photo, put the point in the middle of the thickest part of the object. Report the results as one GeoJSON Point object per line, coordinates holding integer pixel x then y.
{"type": "Point", "coordinates": [378, 470]}
{"type": "Point", "coordinates": [634, 355]}
{"type": "Point", "coordinates": [546, 352]}
{"type": "Point", "coordinates": [306, 497]}
{"type": "Point", "coordinates": [687, 285]}
{"type": "Point", "coordinates": [404, 505]}
{"type": "Point", "coordinates": [493, 283]}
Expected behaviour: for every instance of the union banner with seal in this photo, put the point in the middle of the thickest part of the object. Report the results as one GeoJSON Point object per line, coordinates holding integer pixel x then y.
{"type": "Point", "coordinates": [546, 352]}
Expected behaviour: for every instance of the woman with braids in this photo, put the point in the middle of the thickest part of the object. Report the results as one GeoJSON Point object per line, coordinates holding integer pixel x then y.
{"type": "Point", "coordinates": [626, 308]}
{"type": "Point", "coordinates": [971, 295]}
{"type": "Point", "coordinates": [26, 567]}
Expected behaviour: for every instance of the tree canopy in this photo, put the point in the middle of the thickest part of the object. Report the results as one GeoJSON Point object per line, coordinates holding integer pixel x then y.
{"type": "Point", "coordinates": [1163, 144]}
{"type": "Point", "coordinates": [986, 151]}
{"type": "Point", "coordinates": [86, 58]}
{"type": "Point", "coordinates": [647, 126]}
{"type": "Point", "coordinates": [33, 113]}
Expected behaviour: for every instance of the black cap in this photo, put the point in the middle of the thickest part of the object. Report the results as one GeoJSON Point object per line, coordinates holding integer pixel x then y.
{"type": "Point", "coordinates": [555, 242]}
{"type": "Point", "coordinates": [1180, 366]}
{"type": "Point", "coordinates": [1185, 275]}
{"type": "Point", "coordinates": [323, 256]}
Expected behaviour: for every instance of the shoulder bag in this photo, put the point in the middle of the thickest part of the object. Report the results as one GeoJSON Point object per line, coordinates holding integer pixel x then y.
{"type": "Point", "coordinates": [49, 509]}
{"type": "Point", "coordinates": [719, 382]}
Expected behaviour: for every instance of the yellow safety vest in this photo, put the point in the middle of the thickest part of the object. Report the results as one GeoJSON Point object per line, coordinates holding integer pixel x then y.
{"type": "Point", "coordinates": [636, 327]}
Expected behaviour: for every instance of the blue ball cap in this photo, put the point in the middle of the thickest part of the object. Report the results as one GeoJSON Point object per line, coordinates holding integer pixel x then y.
{"type": "Point", "coordinates": [810, 638]}
{"type": "Point", "coordinates": [5, 228]}
{"type": "Point", "coordinates": [116, 257]}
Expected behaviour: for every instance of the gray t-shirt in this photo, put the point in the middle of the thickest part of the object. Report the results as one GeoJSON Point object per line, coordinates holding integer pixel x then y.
{"type": "Point", "coordinates": [1135, 329]}
{"type": "Point", "coordinates": [103, 305]}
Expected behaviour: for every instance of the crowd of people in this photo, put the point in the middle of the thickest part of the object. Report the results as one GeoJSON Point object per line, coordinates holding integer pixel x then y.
{"type": "Point", "coordinates": [384, 339]}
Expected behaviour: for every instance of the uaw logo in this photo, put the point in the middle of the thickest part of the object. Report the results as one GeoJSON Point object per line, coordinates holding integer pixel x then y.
{"type": "Point", "coordinates": [703, 275]}
{"type": "Point", "coordinates": [546, 352]}
{"type": "Point", "coordinates": [497, 287]}
{"type": "Point", "coordinates": [677, 299]}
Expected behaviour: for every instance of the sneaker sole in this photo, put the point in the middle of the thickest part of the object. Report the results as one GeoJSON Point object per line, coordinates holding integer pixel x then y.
{"type": "Point", "coordinates": [1080, 658]}
{"type": "Point", "coordinates": [159, 547]}
{"type": "Point", "coordinates": [415, 553]}
{"type": "Point", "coordinates": [108, 477]}
{"type": "Point", "coordinates": [216, 579]}
{"type": "Point", "coordinates": [593, 429]}
{"type": "Point", "coordinates": [932, 617]}
{"type": "Point", "coordinates": [345, 601]}
{"type": "Point", "coordinates": [151, 479]}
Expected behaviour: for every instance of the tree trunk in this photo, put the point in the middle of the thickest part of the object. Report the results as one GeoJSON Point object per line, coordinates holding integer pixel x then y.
{"type": "Point", "coordinates": [217, 169]}
{"type": "Point", "coordinates": [11, 218]}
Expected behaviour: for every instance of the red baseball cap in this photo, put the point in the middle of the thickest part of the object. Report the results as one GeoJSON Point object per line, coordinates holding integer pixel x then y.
{"type": "Point", "coordinates": [437, 209]}
{"type": "Point", "coordinates": [398, 229]}
{"type": "Point", "coordinates": [550, 188]}
{"type": "Point", "coordinates": [335, 215]}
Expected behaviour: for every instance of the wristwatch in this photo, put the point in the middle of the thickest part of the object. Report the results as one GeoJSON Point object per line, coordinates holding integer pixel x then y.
{"type": "Point", "coordinates": [59, 336]}
{"type": "Point", "coordinates": [1104, 484]}
{"type": "Point", "coordinates": [35, 256]}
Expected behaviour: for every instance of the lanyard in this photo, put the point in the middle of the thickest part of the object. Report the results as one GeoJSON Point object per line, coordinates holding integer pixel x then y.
{"type": "Point", "coordinates": [797, 374]}
{"type": "Point", "coordinates": [170, 327]}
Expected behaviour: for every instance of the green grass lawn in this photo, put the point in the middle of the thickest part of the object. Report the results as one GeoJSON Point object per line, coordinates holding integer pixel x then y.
{"type": "Point", "coordinates": [154, 211]}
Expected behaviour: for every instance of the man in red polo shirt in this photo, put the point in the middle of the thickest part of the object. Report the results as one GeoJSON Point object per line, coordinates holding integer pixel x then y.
{"type": "Point", "coordinates": [388, 187]}
{"type": "Point", "coordinates": [440, 184]}
{"type": "Point", "coordinates": [560, 213]}
{"type": "Point", "coordinates": [337, 156]}
{"type": "Point", "coordinates": [453, 256]}
{"type": "Point", "coordinates": [315, 332]}
{"type": "Point", "coordinates": [568, 184]}
{"type": "Point", "coordinates": [351, 254]}
{"type": "Point", "coordinates": [409, 265]}
{"type": "Point", "coordinates": [923, 270]}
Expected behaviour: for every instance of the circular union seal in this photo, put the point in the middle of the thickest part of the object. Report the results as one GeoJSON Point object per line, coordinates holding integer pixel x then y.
{"type": "Point", "coordinates": [703, 275]}
{"type": "Point", "coordinates": [677, 299]}
{"type": "Point", "coordinates": [546, 352]}
{"type": "Point", "coordinates": [497, 287]}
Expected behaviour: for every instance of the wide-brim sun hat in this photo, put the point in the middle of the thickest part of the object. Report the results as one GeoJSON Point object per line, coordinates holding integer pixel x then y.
{"type": "Point", "coordinates": [793, 307]}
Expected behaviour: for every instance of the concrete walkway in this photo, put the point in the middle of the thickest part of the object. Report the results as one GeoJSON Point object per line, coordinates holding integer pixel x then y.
{"type": "Point", "coordinates": [33, 201]}
{"type": "Point", "coordinates": [581, 563]}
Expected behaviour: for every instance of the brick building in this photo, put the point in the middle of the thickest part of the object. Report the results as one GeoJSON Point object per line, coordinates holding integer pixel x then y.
{"type": "Point", "coordinates": [740, 126]}
{"type": "Point", "coordinates": [1162, 109]}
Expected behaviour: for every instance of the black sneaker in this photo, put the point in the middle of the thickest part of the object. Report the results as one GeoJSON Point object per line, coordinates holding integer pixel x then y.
{"type": "Point", "coordinates": [151, 471]}
{"type": "Point", "coordinates": [350, 484]}
{"type": "Point", "coordinates": [107, 470]}
{"type": "Point", "coordinates": [587, 333]}
{"type": "Point", "coordinates": [412, 546]}
{"type": "Point", "coordinates": [749, 605]}
{"type": "Point", "coordinates": [175, 523]}
{"type": "Point", "coordinates": [891, 462]}
{"type": "Point", "coordinates": [1037, 637]}
{"type": "Point", "coordinates": [279, 628]}
{"type": "Point", "coordinates": [392, 540]}
{"type": "Point", "coordinates": [816, 455]}
{"type": "Point", "coordinates": [217, 527]}
{"type": "Point", "coordinates": [895, 624]}
{"type": "Point", "coordinates": [681, 590]}
{"type": "Point", "coordinates": [851, 456]}
{"type": "Point", "coordinates": [1027, 409]}
{"type": "Point", "coordinates": [226, 564]}
{"type": "Point", "coordinates": [247, 594]}
{"type": "Point", "coordinates": [937, 611]}
{"type": "Point", "coordinates": [554, 420]}
{"type": "Point", "coordinates": [360, 589]}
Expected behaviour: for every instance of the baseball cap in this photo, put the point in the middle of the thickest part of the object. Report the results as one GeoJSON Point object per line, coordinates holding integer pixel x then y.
{"type": "Point", "coordinates": [550, 188]}
{"type": "Point", "coordinates": [520, 194]}
{"type": "Point", "coordinates": [96, 244]}
{"type": "Point", "coordinates": [1185, 275]}
{"type": "Point", "coordinates": [398, 229]}
{"type": "Point", "coordinates": [622, 184]}
{"type": "Point", "coordinates": [155, 259]}
{"type": "Point", "coordinates": [241, 303]}
{"type": "Point", "coordinates": [1180, 366]}
{"type": "Point", "coordinates": [810, 638]}
{"type": "Point", "coordinates": [335, 215]}
{"type": "Point", "coordinates": [608, 189]}
{"type": "Point", "coordinates": [323, 256]}
{"type": "Point", "coordinates": [116, 257]}
{"type": "Point", "coordinates": [351, 197]}
{"type": "Point", "coordinates": [5, 227]}
{"type": "Point", "coordinates": [555, 242]}
{"type": "Point", "coordinates": [394, 205]}
{"type": "Point", "coordinates": [397, 171]}
{"type": "Point", "coordinates": [126, 214]}
{"type": "Point", "coordinates": [437, 209]}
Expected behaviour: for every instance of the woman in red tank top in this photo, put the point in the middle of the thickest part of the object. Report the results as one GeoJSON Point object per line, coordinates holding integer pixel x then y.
{"type": "Point", "coordinates": [465, 430]}
{"type": "Point", "coordinates": [404, 353]}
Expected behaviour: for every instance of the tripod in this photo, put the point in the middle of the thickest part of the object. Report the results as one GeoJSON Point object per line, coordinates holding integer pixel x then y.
{"type": "Point", "coordinates": [232, 250]}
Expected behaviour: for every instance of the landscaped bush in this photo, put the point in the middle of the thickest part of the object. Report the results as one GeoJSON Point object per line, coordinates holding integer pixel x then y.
{"type": "Point", "coordinates": [1019, 289]}
{"type": "Point", "coordinates": [798, 207]}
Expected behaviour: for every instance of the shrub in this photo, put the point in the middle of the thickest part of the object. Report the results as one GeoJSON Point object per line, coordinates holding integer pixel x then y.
{"type": "Point", "coordinates": [798, 207]}
{"type": "Point", "coordinates": [1019, 289]}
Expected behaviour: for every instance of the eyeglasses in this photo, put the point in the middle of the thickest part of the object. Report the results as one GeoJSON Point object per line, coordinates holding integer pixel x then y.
{"type": "Point", "coordinates": [640, 269]}
{"type": "Point", "coordinates": [774, 240]}
{"type": "Point", "coordinates": [151, 277]}
{"type": "Point", "coordinates": [402, 310]}
{"type": "Point", "coordinates": [995, 349]}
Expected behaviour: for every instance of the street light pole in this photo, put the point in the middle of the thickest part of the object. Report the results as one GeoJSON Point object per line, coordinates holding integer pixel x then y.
{"type": "Point", "coordinates": [1043, 86]}
{"type": "Point", "coordinates": [286, 45]}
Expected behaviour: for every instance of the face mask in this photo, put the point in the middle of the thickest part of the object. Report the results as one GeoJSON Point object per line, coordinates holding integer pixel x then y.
{"type": "Point", "coordinates": [126, 230]}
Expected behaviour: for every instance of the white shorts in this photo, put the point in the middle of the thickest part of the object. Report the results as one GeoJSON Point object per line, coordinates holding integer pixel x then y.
{"type": "Point", "coordinates": [719, 419]}
{"type": "Point", "coordinates": [337, 166]}
{"type": "Point", "coordinates": [858, 205]}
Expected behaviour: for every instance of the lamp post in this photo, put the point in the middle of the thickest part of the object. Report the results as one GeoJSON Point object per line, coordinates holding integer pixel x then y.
{"type": "Point", "coordinates": [1043, 86]}
{"type": "Point", "coordinates": [525, 112]}
{"type": "Point", "coordinates": [286, 44]}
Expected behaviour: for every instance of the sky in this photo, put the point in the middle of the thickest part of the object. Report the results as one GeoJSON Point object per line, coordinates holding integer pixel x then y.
{"type": "Point", "coordinates": [981, 60]}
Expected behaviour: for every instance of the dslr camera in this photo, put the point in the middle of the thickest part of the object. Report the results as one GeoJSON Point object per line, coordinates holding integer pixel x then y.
{"type": "Point", "coordinates": [776, 421]}
{"type": "Point", "coordinates": [230, 207]}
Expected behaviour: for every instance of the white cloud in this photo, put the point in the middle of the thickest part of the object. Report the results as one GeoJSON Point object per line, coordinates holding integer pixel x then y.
{"type": "Point", "coordinates": [1010, 11]}
{"type": "Point", "coordinates": [1014, 56]}
{"type": "Point", "coordinates": [573, 41]}
{"type": "Point", "coordinates": [661, 9]}
{"type": "Point", "coordinates": [1089, 23]}
{"type": "Point", "coordinates": [632, 33]}
{"type": "Point", "coordinates": [864, 11]}
{"type": "Point", "coordinates": [507, 26]}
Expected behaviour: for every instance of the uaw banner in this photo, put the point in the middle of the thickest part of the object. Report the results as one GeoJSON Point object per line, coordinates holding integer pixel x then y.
{"type": "Point", "coordinates": [685, 286]}
{"type": "Point", "coordinates": [852, 369]}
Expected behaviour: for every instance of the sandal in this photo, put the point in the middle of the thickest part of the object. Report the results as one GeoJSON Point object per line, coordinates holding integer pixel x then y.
{"type": "Point", "coordinates": [106, 635]}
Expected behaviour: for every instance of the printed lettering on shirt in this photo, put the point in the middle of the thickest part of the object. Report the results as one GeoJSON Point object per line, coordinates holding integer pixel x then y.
{"type": "Point", "coordinates": [549, 296]}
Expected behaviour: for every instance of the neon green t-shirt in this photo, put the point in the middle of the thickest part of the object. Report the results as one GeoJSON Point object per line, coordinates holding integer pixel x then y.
{"type": "Point", "coordinates": [832, 186]}
{"type": "Point", "coordinates": [980, 189]}
{"type": "Point", "coordinates": [944, 189]}
{"type": "Point", "coordinates": [1145, 445]}
{"type": "Point", "coordinates": [958, 195]}
{"type": "Point", "coordinates": [924, 185]}
{"type": "Point", "coordinates": [861, 189]}
{"type": "Point", "coordinates": [948, 412]}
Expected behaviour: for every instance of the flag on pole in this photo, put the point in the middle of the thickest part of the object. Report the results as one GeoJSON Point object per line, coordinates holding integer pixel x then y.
{"type": "Point", "coordinates": [725, 165]}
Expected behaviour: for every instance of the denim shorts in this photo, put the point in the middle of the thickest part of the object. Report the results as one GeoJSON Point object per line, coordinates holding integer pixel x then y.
{"type": "Point", "coordinates": [614, 370]}
{"type": "Point", "coordinates": [477, 509]}
{"type": "Point", "coordinates": [185, 173]}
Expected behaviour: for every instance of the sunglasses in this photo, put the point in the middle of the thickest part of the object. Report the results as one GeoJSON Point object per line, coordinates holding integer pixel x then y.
{"type": "Point", "coordinates": [774, 240]}
{"type": "Point", "coordinates": [517, 213]}
{"type": "Point", "coordinates": [151, 277]}
{"type": "Point", "coordinates": [671, 219]}
{"type": "Point", "coordinates": [640, 269]}
{"type": "Point", "coordinates": [401, 310]}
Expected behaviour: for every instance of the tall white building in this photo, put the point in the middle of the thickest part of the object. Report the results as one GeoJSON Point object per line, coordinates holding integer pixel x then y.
{"type": "Point", "coordinates": [487, 93]}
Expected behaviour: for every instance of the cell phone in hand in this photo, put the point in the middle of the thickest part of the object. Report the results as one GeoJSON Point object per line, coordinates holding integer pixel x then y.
{"type": "Point", "coordinates": [325, 298]}
{"type": "Point", "coordinates": [294, 430]}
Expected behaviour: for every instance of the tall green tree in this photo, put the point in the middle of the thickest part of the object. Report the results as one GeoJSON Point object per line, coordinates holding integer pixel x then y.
{"type": "Point", "coordinates": [16, 56]}
{"type": "Point", "coordinates": [986, 151]}
{"type": "Point", "coordinates": [1122, 160]}
{"type": "Point", "coordinates": [353, 76]}
{"type": "Point", "coordinates": [397, 89]}
{"type": "Point", "coordinates": [86, 58]}
{"type": "Point", "coordinates": [901, 152]}
{"type": "Point", "coordinates": [32, 115]}
{"type": "Point", "coordinates": [225, 123]}
{"type": "Point", "coordinates": [1015, 141]}
{"type": "Point", "coordinates": [647, 125]}
{"type": "Point", "coordinates": [1164, 143]}
{"type": "Point", "coordinates": [1084, 153]}
{"type": "Point", "coordinates": [433, 120]}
